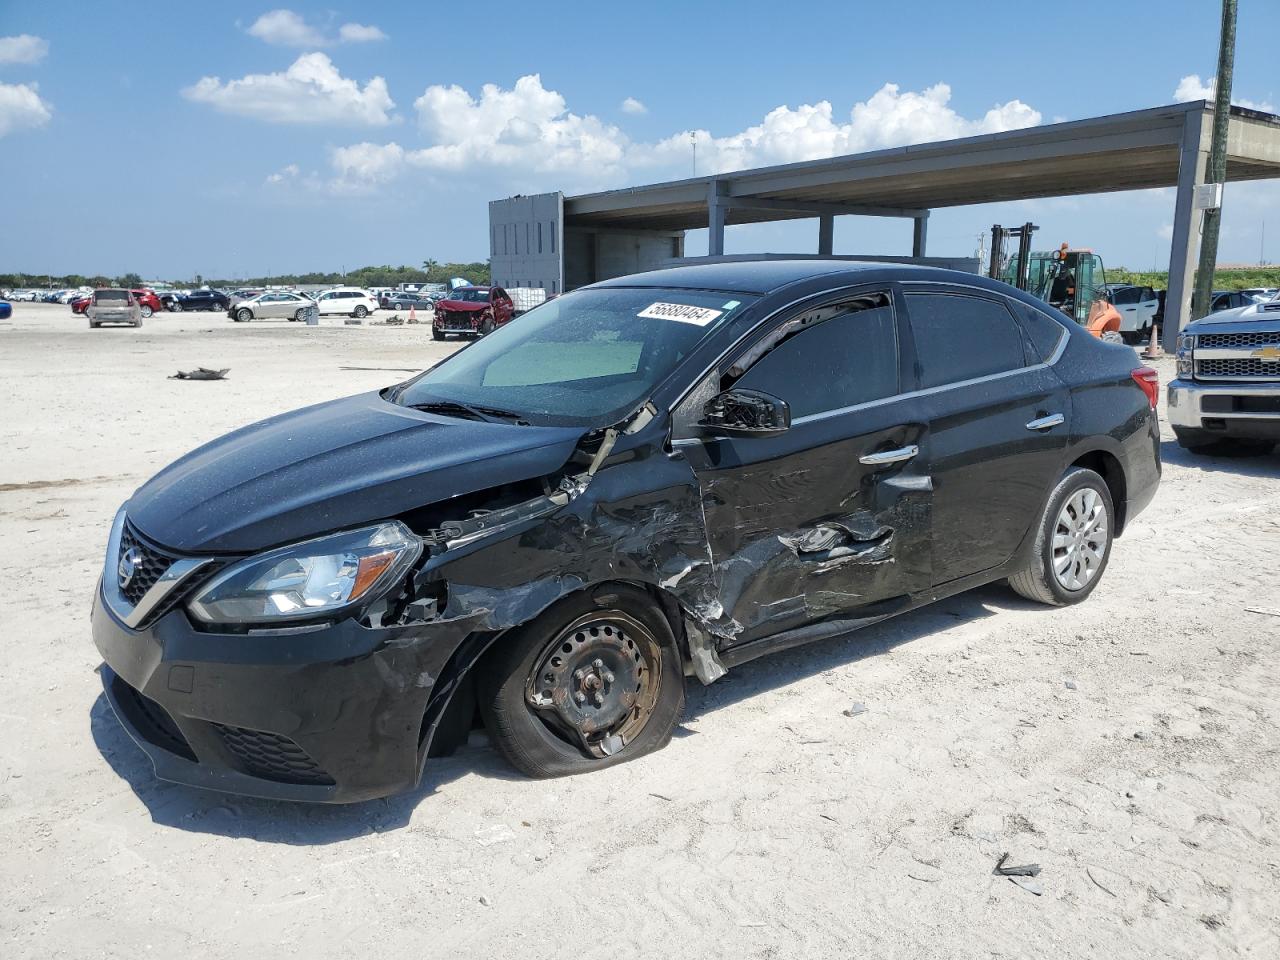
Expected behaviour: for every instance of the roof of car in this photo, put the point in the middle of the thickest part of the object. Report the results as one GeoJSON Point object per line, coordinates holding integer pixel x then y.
{"type": "Point", "coordinates": [766, 275]}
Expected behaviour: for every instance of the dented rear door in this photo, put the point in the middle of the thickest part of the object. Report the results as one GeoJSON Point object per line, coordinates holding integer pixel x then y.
{"type": "Point", "coordinates": [835, 513]}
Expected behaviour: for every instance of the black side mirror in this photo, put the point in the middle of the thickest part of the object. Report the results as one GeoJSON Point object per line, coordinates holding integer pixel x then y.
{"type": "Point", "coordinates": [745, 413]}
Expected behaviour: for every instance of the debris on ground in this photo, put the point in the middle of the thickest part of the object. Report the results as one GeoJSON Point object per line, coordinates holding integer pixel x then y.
{"type": "Point", "coordinates": [201, 373]}
{"type": "Point", "coordinates": [392, 321]}
{"type": "Point", "coordinates": [1070, 684]}
{"type": "Point", "coordinates": [855, 710]}
{"type": "Point", "coordinates": [353, 322]}
{"type": "Point", "coordinates": [1026, 870]}
{"type": "Point", "coordinates": [1098, 883]}
{"type": "Point", "coordinates": [1030, 884]}
{"type": "Point", "coordinates": [1265, 611]}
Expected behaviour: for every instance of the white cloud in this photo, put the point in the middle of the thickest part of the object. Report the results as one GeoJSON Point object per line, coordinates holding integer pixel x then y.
{"type": "Point", "coordinates": [359, 33]}
{"type": "Point", "coordinates": [528, 133]}
{"type": "Point", "coordinates": [310, 91]}
{"type": "Point", "coordinates": [363, 165]}
{"type": "Point", "coordinates": [21, 108]}
{"type": "Point", "coordinates": [527, 126]}
{"type": "Point", "coordinates": [632, 105]}
{"type": "Point", "coordinates": [284, 174]}
{"type": "Point", "coordinates": [24, 48]}
{"type": "Point", "coordinates": [285, 28]}
{"type": "Point", "coordinates": [1191, 87]}
{"type": "Point", "coordinates": [890, 118]}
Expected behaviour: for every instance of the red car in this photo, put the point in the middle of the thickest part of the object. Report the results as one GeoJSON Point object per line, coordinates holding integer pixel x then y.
{"type": "Point", "coordinates": [147, 300]}
{"type": "Point", "coordinates": [473, 311]}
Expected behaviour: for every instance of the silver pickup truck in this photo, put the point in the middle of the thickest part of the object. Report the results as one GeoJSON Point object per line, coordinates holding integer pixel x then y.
{"type": "Point", "coordinates": [1227, 390]}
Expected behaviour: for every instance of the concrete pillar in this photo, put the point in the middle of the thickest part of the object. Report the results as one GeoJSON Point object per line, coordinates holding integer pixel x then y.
{"type": "Point", "coordinates": [919, 235]}
{"type": "Point", "coordinates": [1185, 249]}
{"type": "Point", "coordinates": [717, 193]}
{"type": "Point", "coordinates": [826, 234]}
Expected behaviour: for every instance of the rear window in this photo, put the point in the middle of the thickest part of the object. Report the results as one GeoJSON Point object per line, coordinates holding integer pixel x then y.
{"type": "Point", "coordinates": [111, 296]}
{"type": "Point", "coordinates": [962, 338]}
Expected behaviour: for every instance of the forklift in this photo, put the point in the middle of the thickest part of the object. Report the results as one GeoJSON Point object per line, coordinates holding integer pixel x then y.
{"type": "Point", "coordinates": [1073, 281]}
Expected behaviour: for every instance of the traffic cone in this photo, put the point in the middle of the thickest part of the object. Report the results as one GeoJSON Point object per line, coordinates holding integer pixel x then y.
{"type": "Point", "coordinates": [1153, 351]}
{"type": "Point", "coordinates": [413, 314]}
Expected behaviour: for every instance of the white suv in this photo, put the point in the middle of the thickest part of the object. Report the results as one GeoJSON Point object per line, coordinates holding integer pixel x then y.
{"type": "Point", "coordinates": [352, 301]}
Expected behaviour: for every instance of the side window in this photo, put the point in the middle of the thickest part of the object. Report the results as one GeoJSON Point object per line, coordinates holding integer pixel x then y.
{"type": "Point", "coordinates": [960, 337]}
{"type": "Point", "coordinates": [1043, 332]}
{"type": "Point", "coordinates": [850, 358]}
{"type": "Point", "coordinates": [1127, 295]}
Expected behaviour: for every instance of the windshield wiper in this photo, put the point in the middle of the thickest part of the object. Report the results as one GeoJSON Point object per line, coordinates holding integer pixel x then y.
{"type": "Point", "coordinates": [487, 414]}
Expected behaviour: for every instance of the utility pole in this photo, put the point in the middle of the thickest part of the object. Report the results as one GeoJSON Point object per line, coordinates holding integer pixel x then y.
{"type": "Point", "coordinates": [693, 139]}
{"type": "Point", "coordinates": [1217, 172]}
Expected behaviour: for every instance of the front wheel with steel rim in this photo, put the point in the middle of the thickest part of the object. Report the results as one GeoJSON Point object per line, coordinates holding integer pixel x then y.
{"type": "Point", "coordinates": [1073, 541]}
{"type": "Point", "coordinates": [596, 680]}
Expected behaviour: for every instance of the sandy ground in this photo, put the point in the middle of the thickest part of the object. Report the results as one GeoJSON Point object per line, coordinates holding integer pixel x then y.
{"type": "Point", "coordinates": [1129, 746]}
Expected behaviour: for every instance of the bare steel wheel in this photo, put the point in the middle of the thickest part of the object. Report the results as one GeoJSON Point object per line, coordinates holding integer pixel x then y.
{"type": "Point", "coordinates": [595, 680]}
{"type": "Point", "coordinates": [1080, 539]}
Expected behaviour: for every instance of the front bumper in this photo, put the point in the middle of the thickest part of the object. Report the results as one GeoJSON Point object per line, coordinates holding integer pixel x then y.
{"type": "Point", "coordinates": [1245, 409]}
{"type": "Point", "coordinates": [331, 715]}
{"type": "Point", "coordinates": [455, 322]}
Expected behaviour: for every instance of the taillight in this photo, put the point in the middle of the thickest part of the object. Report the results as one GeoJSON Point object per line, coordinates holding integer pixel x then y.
{"type": "Point", "coordinates": [1149, 380]}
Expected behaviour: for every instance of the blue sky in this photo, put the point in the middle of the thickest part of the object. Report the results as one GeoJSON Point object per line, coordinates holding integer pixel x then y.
{"type": "Point", "coordinates": [241, 139]}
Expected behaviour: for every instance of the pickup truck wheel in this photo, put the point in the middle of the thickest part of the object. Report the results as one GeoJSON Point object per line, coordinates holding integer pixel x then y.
{"type": "Point", "coordinates": [1072, 544]}
{"type": "Point", "coordinates": [146, 312]}
{"type": "Point", "coordinates": [594, 681]}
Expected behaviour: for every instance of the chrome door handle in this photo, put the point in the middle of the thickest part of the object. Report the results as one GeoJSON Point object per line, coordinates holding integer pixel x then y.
{"type": "Point", "coordinates": [1046, 423]}
{"type": "Point", "coordinates": [889, 456]}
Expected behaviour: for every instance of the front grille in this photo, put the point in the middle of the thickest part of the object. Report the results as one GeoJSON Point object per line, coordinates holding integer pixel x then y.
{"type": "Point", "coordinates": [1251, 367]}
{"type": "Point", "coordinates": [1220, 341]}
{"type": "Point", "coordinates": [272, 756]}
{"type": "Point", "coordinates": [150, 566]}
{"type": "Point", "coordinates": [455, 321]}
{"type": "Point", "coordinates": [151, 720]}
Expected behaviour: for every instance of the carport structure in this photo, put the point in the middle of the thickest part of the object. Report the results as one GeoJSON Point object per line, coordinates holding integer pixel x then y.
{"type": "Point", "coordinates": [1160, 147]}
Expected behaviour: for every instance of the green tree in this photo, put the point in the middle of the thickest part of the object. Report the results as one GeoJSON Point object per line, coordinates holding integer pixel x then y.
{"type": "Point", "coordinates": [129, 280]}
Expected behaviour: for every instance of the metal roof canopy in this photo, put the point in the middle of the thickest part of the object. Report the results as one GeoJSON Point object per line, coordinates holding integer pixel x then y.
{"type": "Point", "coordinates": [1127, 151]}
{"type": "Point", "coordinates": [1160, 147]}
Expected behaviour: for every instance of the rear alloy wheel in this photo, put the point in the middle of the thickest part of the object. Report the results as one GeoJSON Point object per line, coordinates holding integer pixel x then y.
{"type": "Point", "coordinates": [361, 312]}
{"type": "Point", "coordinates": [244, 315]}
{"type": "Point", "coordinates": [301, 315]}
{"type": "Point", "coordinates": [146, 312]}
{"type": "Point", "coordinates": [1073, 541]}
{"type": "Point", "coordinates": [594, 681]}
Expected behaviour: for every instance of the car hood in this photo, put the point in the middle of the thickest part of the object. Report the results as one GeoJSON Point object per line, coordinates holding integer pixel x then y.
{"type": "Point", "coordinates": [1250, 314]}
{"type": "Point", "coordinates": [465, 306]}
{"type": "Point", "coordinates": [333, 466]}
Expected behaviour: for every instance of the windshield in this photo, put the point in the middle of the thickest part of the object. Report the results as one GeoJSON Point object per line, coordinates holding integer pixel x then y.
{"type": "Point", "coordinates": [470, 296]}
{"type": "Point", "coordinates": [586, 358]}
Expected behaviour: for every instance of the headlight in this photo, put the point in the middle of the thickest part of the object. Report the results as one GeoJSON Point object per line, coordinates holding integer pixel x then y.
{"type": "Point", "coordinates": [1186, 343]}
{"type": "Point", "coordinates": [309, 579]}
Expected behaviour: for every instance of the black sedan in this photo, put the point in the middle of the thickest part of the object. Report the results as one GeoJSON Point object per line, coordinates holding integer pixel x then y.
{"type": "Point", "coordinates": [652, 478]}
{"type": "Point", "coordinates": [202, 300]}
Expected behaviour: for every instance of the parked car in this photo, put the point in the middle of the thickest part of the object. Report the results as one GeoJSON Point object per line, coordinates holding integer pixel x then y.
{"type": "Point", "coordinates": [351, 301]}
{"type": "Point", "coordinates": [1137, 307]}
{"type": "Point", "coordinates": [1226, 396]}
{"type": "Point", "coordinates": [472, 311]}
{"type": "Point", "coordinates": [114, 305]}
{"type": "Point", "coordinates": [202, 300]}
{"type": "Point", "coordinates": [237, 295]}
{"type": "Point", "coordinates": [1261, 294]}
{"type": "Point", "coordinates": [651, 477]}
{"type": "Point", "coordinates": [275, 303]}
{"type": "Point", "coordinates": [1228, 300]}
{"type": "Point", "coordinates": [23, 296]}
{"type": "Point", "coordinates": [6, 310]}
{"type": "Point", "coordinates": [407, 301]}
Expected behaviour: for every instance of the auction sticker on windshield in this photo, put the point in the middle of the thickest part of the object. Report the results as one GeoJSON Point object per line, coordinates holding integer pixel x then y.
{"type": "Point", "coordinates": [699, 316]}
